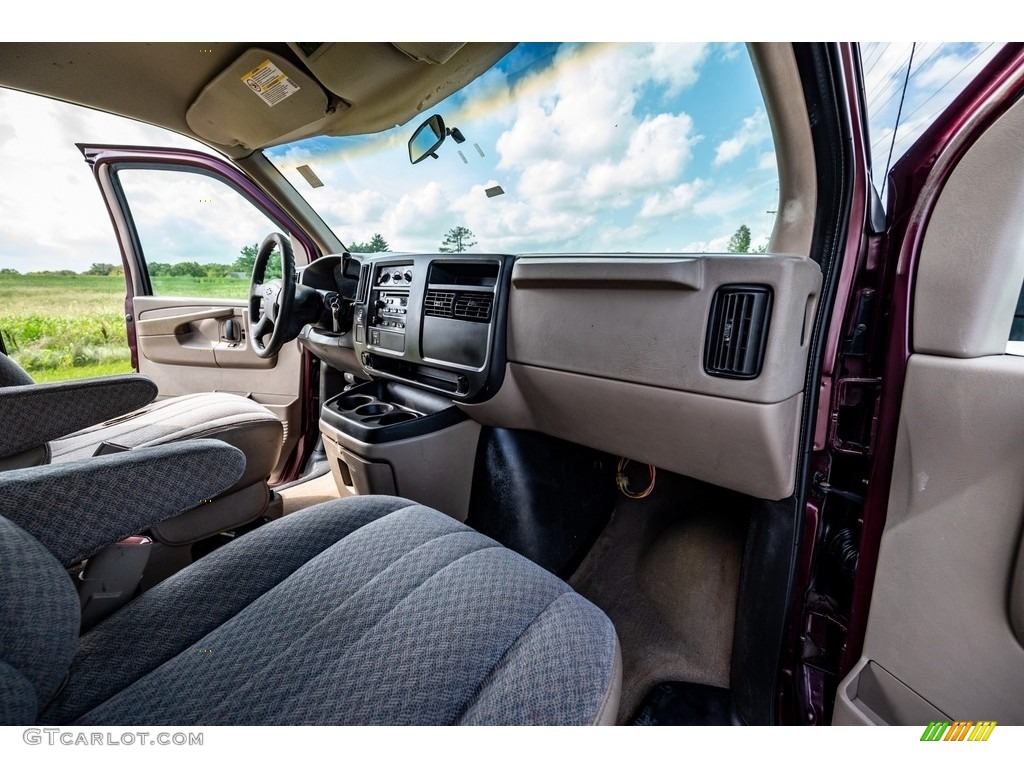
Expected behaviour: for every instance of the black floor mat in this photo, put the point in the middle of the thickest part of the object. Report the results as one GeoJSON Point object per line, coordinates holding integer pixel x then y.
{"type": "Point", "coordinates": [684, 704]}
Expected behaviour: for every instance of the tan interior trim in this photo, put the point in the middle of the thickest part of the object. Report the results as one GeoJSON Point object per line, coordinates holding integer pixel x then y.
{"type": "Point", "coordinates": [871, 696]}
{"type": "Point", "coordinates": [643, 319]}
{"type": "Point", "coordinates": [609, 272]}
{"type": "Point", "coordinates": [747, 447]}
{"type": "Point", "coordinates": [940, 610]}
{"type": "Point", "coordinates": [435, 469]}
{"type": "Point", "coordinates": [775, 67]}
{"type": "Point", "coordinates": [228, 113]}
{"type": "Point", "coordinates": [971, 265]}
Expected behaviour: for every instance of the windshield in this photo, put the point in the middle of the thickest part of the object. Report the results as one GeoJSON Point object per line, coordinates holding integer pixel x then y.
{"type": "Point", "coordinates": [567, 148]}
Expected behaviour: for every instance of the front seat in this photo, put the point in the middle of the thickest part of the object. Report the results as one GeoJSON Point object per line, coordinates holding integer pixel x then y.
{"type": "Point", "coordinates": [364, 610]}
{"type": "Point", "coordinates": [72, 420]}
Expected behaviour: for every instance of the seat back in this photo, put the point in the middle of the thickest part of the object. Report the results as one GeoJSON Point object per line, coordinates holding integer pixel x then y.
{"type": "Point", "coordinates": [39, 621]}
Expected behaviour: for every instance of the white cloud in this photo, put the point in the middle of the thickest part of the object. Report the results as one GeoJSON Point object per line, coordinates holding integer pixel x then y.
{"type": "Point", "coordinates": [724, 203]}
{"type": "Point", "coordinates": [948, 66]}
{"type": "Point", "coordinates": [678, 199]}
{"type": "Point", "coordinates": [767, 162]}
{"type": "Point", "coordinates": [753, 131]}
{"type": "Point", "coordinates": [715, 245]}
{"type": "Point", "coordinates": [48, 196]}
{"type": "Point", "coordinates": [678, 66]}
{"type": "Point", "coordinates": [658, 151]}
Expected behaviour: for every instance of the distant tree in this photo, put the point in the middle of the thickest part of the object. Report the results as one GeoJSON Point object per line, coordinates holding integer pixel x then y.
{"type": "Point", "coordinates": [740, 241]}
{"type": "Point", "coordinates": [188, 269]}
{"type": "Point", "coordinates": [159, 269]}
{"type": "Point", "coordinates": [247, 258]}
{"type": "Point", "coordinates": [9, 271]}
{"type": "Point", "coordinates": [377, 244]}
{"type": "Point", "coordinates": [457, 240]}
{"type": "Point", "coordinates": [101, 269]}
{"type": "Point", "coordinates": [218, 270]}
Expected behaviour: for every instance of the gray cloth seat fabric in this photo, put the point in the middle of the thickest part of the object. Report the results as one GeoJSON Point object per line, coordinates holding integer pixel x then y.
{"type": "Point", "coordinates": [232, 419]}
{"type": "Point", "coordinates": [186, 417]}
{"type": "Point", "coordinates": [235, 420]}
{"type": "Point", "coordinates": [368, 610]}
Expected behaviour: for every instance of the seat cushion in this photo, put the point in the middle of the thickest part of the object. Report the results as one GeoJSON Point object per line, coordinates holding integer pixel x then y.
{"type": "Point", "coordinates": [370, 610]}
{"type": "Point", "coordinates": [233, 419]}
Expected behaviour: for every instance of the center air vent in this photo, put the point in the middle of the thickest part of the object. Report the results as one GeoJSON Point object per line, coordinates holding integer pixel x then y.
{"type": "Point", "coordinates": [438, 303]}
{"type": "Point", "coordinates": [474, 306]}
{"type": "Point", "coordinates": [737, 331]}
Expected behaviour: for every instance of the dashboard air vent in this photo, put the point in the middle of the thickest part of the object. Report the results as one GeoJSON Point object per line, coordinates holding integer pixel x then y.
{"type": "Point", "coordinates": [474, 306]}
{"type": "Point", "coordinates": [438, 303]}
{"type": "Point", "coordinates": [737, 331]}
{"type": "Point", "coordinates": [363, 289]}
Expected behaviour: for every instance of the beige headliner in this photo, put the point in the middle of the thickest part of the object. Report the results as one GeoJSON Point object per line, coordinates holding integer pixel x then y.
{"type": "Point", "coordinates": [365, 87]}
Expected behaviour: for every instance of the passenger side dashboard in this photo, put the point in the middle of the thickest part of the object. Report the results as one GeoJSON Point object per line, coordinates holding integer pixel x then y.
{"type": "Point", "coordinates": [693, 363]}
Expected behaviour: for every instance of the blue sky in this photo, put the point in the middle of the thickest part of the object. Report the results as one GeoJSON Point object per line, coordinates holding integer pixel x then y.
{"type": "Point", "coordinates": [937, 72]}
{"type": "Point", "coordinates": [627, 147]}
{"type": "Point", "coordinates": [602, 147]}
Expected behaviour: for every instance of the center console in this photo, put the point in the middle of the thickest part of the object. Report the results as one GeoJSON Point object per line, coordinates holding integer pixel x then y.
{"type": "Point", "coordinates": [428, 330]}
{"type": "Point", "coordinates": [433, 321]}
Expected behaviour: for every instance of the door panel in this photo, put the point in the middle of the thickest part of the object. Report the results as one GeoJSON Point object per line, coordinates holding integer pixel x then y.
{"type": "Point", "coordinates": [945, 622]}
{"type": "Point", "coordinates": [939, 617]}
{"type": "Point", "coordinates": [182, 348]}
{"type": "Point", "coordinates": [208, 336]}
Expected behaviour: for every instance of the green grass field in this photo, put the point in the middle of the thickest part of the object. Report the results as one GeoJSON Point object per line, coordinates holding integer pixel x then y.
{"type": "Point", "coordinates": [72, 326]}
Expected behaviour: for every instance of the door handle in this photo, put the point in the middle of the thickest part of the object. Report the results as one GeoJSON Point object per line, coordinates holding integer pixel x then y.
{"type": "Point", "coordinates": [231, 331]}
{"type": "Point", "coordinates": [175, 324]}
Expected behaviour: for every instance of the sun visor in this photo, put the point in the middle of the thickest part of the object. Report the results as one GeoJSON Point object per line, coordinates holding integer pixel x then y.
{"type": "Point", "coordinates": [257, 101]}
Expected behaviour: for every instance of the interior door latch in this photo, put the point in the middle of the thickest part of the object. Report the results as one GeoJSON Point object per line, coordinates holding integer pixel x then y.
{"type": "Point", "coordinates": [230, 332]}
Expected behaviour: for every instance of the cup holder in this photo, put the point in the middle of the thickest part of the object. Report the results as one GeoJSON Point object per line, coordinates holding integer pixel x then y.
{"type": "Point", "coordinates": [352, 402]}
{"type": "Point", "coordinates": [396, 418]}
{"type": "Point", "coordinates": [374, 409]}
{"type": "Point", "coordinates": [359, 414]}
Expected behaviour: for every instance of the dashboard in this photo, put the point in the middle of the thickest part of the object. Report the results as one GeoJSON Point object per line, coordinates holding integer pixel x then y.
{"type": "Point", "coordinates": [694, 363]}
{"type": "Point", "coordinates": [433, 320]}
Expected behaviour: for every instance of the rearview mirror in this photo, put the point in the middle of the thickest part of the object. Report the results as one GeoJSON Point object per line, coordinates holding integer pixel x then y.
{"type": "Point", "coordinates": [427, 138]}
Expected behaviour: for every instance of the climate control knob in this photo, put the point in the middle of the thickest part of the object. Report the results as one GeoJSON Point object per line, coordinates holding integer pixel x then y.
{"type": "Point", "coordinates": [408, 275]}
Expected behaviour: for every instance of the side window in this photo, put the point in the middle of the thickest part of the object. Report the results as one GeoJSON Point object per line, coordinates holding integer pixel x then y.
{"type": "Point", "coordinates": [1017, 329]}
{"type": "Point", "coordinates": [1016, 344]}
{"type": "Point", "coordinates": [198, 235]}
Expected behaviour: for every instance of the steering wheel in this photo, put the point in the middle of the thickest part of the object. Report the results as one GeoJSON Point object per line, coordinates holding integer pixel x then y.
{"type": "Point", "coordinates": [270, 302]}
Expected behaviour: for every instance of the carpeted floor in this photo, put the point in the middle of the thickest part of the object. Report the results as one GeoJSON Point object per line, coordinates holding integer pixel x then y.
{"type": "Point", "coordinates": [666, 570]}
{"type": "Point", "coordinates": [311, 492]}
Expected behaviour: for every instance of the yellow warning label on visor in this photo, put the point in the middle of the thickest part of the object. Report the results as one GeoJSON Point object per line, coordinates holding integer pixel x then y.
{"type": "Point", "coordinates": [269, 83]}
